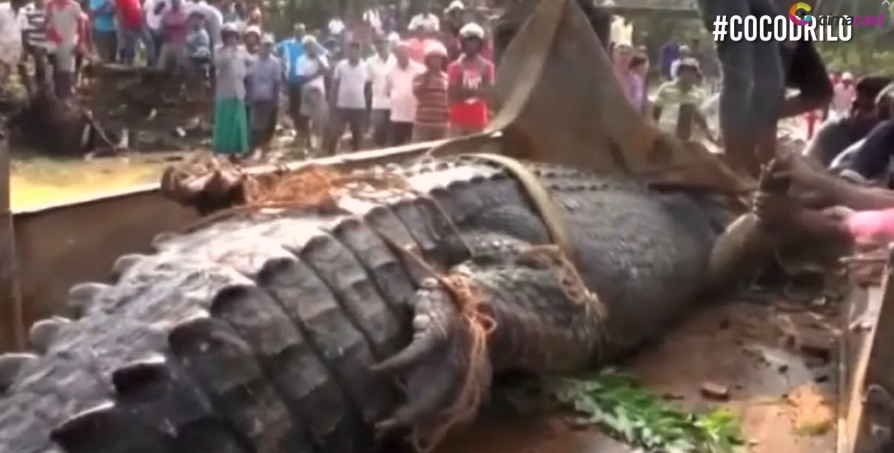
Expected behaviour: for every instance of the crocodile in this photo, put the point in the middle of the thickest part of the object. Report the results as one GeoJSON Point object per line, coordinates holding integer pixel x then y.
{"type": "Point", "coordinates": [317, 330]}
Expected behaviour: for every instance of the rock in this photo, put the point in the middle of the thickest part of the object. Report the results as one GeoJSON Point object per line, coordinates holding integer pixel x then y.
{"type": "Point", "coordinates": [714, 390]}
{"type": "Point", "coordinates": [818, 346]}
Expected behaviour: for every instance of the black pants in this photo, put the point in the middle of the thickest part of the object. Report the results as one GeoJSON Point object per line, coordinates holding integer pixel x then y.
{"type": "Point", "coordinates": [299, 122]}
{"type": "Point", "coordinates": [106, 43]}
{"type": "Point", "coordinates": [353, 119]}
{"type": "Point", "coordinates": [380, 125]}
{"type": "Point", "coordinates": [753, 72]}
{"type": "Point", "coordinates": [400, 133]}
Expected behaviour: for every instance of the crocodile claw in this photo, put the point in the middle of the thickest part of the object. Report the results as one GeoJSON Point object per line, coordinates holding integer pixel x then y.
{"type": "Point", "coordinates": [435, 365]}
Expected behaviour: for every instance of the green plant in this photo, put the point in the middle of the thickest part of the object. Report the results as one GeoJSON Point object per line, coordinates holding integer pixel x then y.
{"type": "Point", "coordinates": [617, 403]}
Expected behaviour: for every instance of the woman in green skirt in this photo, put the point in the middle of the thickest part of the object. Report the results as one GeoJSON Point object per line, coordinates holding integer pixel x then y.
{"type": "Point", "coordinates": [230, 135]}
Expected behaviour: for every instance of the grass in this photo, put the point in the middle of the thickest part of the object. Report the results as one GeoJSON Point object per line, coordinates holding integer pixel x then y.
{"type": "Point", "coordinates": [39, 181]}
{"type": "Point", "coordinates": [619, 405]}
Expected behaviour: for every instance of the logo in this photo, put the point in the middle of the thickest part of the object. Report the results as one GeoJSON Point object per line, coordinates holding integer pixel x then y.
{"type": "Point", "coordinates": [793, 14]}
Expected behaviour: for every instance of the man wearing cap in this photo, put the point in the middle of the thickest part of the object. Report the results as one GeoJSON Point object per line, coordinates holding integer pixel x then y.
{"type": "Point", "coordinates": [470, 80]}
{"type": "Point", "coordinates": [673, 95]}
{"type": "Point", "coordinates": [432, 103]}
{"type": "Point", "coordinates": [264, 81]}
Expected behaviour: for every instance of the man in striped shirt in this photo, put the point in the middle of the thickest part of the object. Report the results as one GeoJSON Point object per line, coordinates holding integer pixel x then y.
{"type": "Point", "coordinates": [33, 21]}
{"type": "Point", "coordinates": [430, 88]}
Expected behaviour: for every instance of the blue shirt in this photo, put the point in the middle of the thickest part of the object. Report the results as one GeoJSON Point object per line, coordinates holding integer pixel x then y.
{"type": "Point", "coordinates": [291, 50]}
{"type": "Point", "coordinates": [103, 14]}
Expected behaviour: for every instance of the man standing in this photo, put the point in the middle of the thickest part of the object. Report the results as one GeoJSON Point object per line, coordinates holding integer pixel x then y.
{"type": "Point", "coordinates": [291, 51]}
{"type": "Point", "coordinates": [399, 86]}
{"type": "Point", "coordinates": [129, 15]}
{"type": "Point", "coordinates": [349, 80]}
{"type": "Point", "coordinates": [10, 39]}
{"type": "Point", "coordinates": [378, 66]}
{"type": "Point", "coordinates": [264, 81]}
{"type": "Point", "coordinates": [470, 80]}
{"type": "Point", "coordinates": [63, 21]}
{"type": "Point", "coordinates": [311, 71]}
{"type": "Point", "coordinates": [33, 22]}
{"type": "Point", "coordinates": [105, 36]}
{"type": "Point", "coordinates": [755, 76]}
{"type": "Point", "coordinates": [175, 30]}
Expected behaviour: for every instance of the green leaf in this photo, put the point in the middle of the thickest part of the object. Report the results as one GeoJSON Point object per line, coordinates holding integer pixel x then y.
{"type": "Point", "coordinates": [619, 405]}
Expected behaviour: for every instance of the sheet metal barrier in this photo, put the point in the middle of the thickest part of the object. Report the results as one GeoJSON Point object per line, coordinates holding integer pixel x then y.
{"type": "Point", "coordinates": [868, 373]}
{"type": "Point", "coordinates": [65, 244]}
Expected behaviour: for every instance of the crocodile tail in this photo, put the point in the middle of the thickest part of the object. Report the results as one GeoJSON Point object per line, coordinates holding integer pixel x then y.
{"type": "Point", "coordinates": [256, 334]}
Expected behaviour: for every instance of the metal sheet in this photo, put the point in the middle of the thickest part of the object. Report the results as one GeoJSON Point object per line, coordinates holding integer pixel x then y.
{"type": "Point", "coordinates": [60, 245]}
{"type": "Point", "coordinates": [10, 301]}
{"type": "Point", "coordinates": [870, 412]}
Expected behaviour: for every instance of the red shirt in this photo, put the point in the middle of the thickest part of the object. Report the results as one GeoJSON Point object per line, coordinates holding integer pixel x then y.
{"type": "Point", "coordinates": [130, 12]}
{"type": "Point", "coordinates": [471, 73]}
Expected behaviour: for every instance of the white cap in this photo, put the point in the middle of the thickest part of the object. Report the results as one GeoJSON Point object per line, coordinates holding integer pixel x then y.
{"type": "Point", "coordinates": [435, 48]}
{"type": "Point", "coordinates": [267, 39]}
{"type": "Point", "coordinates": [456, 5]}
{"type": "Point", "coordinates": [253, 29]}
{"type": "Point", "coordinates": [847, 76]}
{"type": "Point", "coordinates": [471, 30]}
{"type": "Point", "coordinates": [230, 27]}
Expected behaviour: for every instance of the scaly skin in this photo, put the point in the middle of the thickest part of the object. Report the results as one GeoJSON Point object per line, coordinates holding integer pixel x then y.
{"type": "Point", "coordinates": [261, 332]}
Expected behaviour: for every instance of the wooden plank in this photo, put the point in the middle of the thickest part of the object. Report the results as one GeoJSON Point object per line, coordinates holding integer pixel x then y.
{"type": "Point", "coordinates": [12, 334]}
{"type": "Point", "coordinates": [871, 406]}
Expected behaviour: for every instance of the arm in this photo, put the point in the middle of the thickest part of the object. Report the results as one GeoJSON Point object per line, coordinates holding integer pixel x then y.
{"type": "Point", "coordinates": [277, 82]}
{"type": "Point", "coordinates": [455, 90]}
{"type": "Point", "coordinates": [419, 83]}
{"type": "Point", "coordinates": [336, 81]}
{"type": "Point", "coordinates": [658, 106]}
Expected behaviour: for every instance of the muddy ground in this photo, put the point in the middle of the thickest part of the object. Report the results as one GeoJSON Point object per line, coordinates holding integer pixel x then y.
{"type": "Point", "coordinates": [772, 360]}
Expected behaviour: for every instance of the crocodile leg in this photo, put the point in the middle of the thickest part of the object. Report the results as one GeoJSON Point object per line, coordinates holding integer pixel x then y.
{"type": "Point", "coordinates": [742, 252]}
{"type": "Point", "coordinates": [536, 309]}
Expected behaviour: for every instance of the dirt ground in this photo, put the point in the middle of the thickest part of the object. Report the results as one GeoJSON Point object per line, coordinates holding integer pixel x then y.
{"type": "Point", "coordinates": [773, 366]}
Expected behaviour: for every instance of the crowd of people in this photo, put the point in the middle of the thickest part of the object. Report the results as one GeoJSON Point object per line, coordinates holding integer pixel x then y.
{"type": "Point", "coordinates": [683, 85]}
{"type": "Point", "coordinates": [419, 79]}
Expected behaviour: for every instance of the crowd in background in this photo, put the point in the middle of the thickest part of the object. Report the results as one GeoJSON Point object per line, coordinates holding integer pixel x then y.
{"type": "Point", "coordinates": [416, 79]}
{"type": "Point", "coordinates": [686, 76]}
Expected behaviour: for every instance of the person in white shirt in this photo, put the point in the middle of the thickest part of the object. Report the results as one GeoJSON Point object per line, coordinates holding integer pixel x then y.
{"type": "Point", "coordinates": [349, 80]}
{"type": "Point", "coordinates": [426, 21]}
{"type": "Point", "coordinates": [33, 22]}
{"type": "Point", "coordinates": [377, 67]}
{"type": "Point", "coordinates": [843, 96]}
{"type": "Point", "coordinates": [153, 10]}
{"type": "Point", "coordinates": [312, 68]}
{"type": "Point", "coordinates": [401, 99]}
{"type": "Point", "coordinates": [10, 40]}
{"type": "Point", "coordinates": [372, 18]}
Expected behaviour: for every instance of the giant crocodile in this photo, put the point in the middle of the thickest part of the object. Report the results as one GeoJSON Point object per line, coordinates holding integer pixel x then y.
{"type": "Point", "coordinates": [267, 331]}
